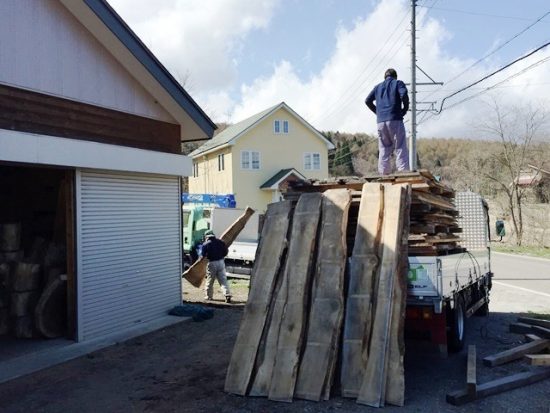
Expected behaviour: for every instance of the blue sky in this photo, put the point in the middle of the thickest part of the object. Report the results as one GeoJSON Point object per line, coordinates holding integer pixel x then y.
{"type": "Point", "coordinates": [238, 57]}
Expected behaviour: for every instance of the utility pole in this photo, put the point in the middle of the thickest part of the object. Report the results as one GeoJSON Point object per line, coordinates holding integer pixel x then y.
{"type": "Point", "coordinates": [412, 141]}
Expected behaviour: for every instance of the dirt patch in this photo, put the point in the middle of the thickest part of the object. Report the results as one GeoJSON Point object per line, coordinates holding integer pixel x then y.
{"type": "Point", "coordinates": [182, 369]}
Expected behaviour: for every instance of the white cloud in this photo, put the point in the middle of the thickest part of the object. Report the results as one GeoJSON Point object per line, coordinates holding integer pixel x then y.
{"type": "Point", "coordinates": [202, 41]}
{"type": "Point", "coordinates": [196, 39]}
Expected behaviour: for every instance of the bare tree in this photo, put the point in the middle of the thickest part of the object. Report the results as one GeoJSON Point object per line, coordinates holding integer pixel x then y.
{"type": "Point", "coordinates": [517, 130]}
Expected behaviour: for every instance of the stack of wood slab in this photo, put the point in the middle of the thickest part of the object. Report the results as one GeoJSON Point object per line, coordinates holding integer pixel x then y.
{"type": "Point", "coordinates": [433, 215]}
{"type": "Point", "coordinates": [301, 333]}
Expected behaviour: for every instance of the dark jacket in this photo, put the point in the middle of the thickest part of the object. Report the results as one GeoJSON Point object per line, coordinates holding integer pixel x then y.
{"type": "Point", "coordinates": [392, 101]}
{"type": "Point", "coordinates": [214, 249]}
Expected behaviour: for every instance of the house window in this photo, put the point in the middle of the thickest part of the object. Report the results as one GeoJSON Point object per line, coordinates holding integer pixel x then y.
{"type": "Point", "coordinates": [195, 169]}
{"type": "Point", "coordinates": [312, 161]}
{"type": "Point", "coordinates": [280, 126]}
{"type": "Point", "coordinates": [221, 162]}
{"type": "Point", "coordinates": [250, 160]}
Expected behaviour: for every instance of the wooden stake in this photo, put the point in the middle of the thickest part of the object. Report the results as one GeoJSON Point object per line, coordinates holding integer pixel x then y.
{"type": "Point", "coordinates": [516, 353]}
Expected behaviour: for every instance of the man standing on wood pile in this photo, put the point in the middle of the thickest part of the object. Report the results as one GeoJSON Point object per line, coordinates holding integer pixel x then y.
{"type": "Point", "coordinates": [215, 250]}
{"type": "Point", "coordinates": [392, 103]}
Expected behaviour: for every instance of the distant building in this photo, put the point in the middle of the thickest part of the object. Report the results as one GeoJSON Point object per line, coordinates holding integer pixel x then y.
{"type": "Point", "coordinates": [256, 158]}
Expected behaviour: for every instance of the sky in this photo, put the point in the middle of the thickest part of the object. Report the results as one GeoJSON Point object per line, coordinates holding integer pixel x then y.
{"type": "Point", "coordinates": [322, 57]}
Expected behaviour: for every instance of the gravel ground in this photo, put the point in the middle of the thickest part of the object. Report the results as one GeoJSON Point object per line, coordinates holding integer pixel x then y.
{"type": "Point", "coordinates": [182, 369]}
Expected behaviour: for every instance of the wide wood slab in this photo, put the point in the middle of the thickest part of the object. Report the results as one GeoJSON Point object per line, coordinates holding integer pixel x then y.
{"type": "Point", "coordinates": [327, 304]}
{"type": "Point", "coordinates": [266, 267]}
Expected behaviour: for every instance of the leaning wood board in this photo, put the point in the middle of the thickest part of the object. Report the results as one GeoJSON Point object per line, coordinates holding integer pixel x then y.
{"type": "Point", "coordinates": [196, 273]}
{"type": "Point", "coordinates": [395, 384]}
{"type": "Point", "coordinates": [362, 275]}
{"type": "Point", "coordinates": [272, 244]}
{"type": "Point", "coordinates": [373, 388]}
{"type": "Point", "coordinates": [327, 304]}
{"type": "Point", "coordinates": [296, 276]}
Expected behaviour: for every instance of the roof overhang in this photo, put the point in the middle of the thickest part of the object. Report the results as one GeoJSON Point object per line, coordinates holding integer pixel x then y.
{"type": "Point", "coordinates": [115, 35]}
{"type": "Point", "coordinates": [36, 149]}
{"type": "Point", "coordinates": [277, 180]}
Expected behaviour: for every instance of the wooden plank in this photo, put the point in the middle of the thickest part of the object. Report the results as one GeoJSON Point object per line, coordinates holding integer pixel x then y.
{"type": "Point", "coordinates": [364, 264]}
{"type": "Point", "coordinates": [541, 331]}
{"type": "Point", "coordinates": [538, 359]}
{"type": "Point", "coordinates": [521, 328]}
{"type": "Point", "coordinates": [471, 373]}
{"type": "Point", "coordinates": [535, 322]}
{"type": "Point", "coordinates": [196, 273]}
{"type": "Point", "coordinates": [297, 277]}
{"type": "Point", "coordinates": [395, 384]}
{"type": "Point", "coordinates": [434, 200]}
{"type": "Point", "coordinates": [503, 384]}
{"type": "Point", "coordinates": [516, 352]}
{"type": "Point", "coordinates": [35, 112]}
{"type": "Point", "coordinates": [272, 244]}
{"type": "Point", "coordinates": [327, 304]}
{"type": "Point", "coordinates": [373, 388]}
{"type": "Point", "coordinates": [531, 337]}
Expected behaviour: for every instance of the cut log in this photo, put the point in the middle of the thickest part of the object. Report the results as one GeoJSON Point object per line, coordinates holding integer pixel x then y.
{"type": "Point", "coordinates": [273, 242]}
{"type": "Point", "coordinates": [23, 303]}
{"type": "Point", "coordinates": [373, 388]}
{"type": "Point", "coordinates": [315, 374]}
{"type": "Point", "coordinates": [516, 352]}
{"type": "Point", "coordinates": [196, 273]}
{"type": "Point", "coordinates": [362, 277]}
{"type": "Point", "coordinates": [5, 270]}
{"type": "Point", "coordinates": [395, 385]}
{"type": "Point", "coordinates": [297, 277]}
{"type": "Point", "coordinates": [538, 359]}
{"type": "Point", "coordinates": [26, 277]}
{"type": "Point", "coordinates": [503, 384]}
{"type": "Point", "coordinates": [10, 237]}
{"type": "Point", "coordinates": [535, 322]}
{"type": "Point", "coordinates": [38, 250]}
{"type": "Point", "coordinates": [50, 313]}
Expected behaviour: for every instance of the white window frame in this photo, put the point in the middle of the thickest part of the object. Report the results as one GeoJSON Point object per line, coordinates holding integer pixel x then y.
{"type": "Point", "coordinates": [309, 159]}
{"type": "Point", "coordinates": [250, 155]}
{"type": "Point", "coordinates": [221, 162]}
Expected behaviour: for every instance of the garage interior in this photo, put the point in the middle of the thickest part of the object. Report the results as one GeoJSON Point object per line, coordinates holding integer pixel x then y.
{"type": "Point", "coordinates": [36, 268]}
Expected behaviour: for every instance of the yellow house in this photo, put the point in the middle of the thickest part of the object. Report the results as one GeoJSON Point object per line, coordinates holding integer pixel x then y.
{"type": "Point", "coordinates": [257, 157]}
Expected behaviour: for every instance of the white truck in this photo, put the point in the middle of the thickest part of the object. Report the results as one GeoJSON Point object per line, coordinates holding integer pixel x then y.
{"type": "Point", "coordinates": [443, 291]}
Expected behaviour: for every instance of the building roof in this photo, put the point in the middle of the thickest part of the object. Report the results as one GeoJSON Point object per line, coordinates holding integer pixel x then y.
{"type": "Point", "coordinates": [280, 176]}
{"type": "Point", "coordinates": [182, 107]}
{"type": "Point", "coordinates": [229, 135]}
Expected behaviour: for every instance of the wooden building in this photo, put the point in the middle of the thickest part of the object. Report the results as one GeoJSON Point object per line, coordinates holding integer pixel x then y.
{"type": "Point", "coordinates": [91, 125]}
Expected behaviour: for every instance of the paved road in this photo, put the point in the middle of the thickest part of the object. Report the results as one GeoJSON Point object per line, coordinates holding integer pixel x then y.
{"type": "Point", "coordinates": [520, 283]}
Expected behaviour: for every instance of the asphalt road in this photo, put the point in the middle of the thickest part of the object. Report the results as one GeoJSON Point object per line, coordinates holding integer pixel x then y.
{"type": "Point", "coordinates": [520, 283]}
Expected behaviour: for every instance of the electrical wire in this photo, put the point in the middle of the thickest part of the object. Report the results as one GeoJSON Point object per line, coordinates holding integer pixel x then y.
{"type": "Point", "coordinates": [473, 13]}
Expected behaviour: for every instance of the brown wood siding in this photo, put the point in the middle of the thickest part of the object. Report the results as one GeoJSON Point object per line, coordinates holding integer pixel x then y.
{"type": "Point", "coordinates": [27, 111]}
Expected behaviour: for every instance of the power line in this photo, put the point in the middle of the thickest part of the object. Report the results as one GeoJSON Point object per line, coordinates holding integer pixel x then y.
{"type": "Point", "coordinates": [473, 13]}
{"type": "Point", "coordinates": [495, 86]}
{"type": "Point", "coordinates": [491, 74]}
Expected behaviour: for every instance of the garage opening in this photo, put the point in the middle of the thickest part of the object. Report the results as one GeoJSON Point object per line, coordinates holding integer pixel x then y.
{"type": "Point", "coordinates": [37, 307]}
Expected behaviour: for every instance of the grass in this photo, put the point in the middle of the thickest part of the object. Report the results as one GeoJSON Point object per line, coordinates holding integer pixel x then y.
{"type": "Point", "coordinates": [542, 252]}
{"type": "Point", "coordinates": [538, 316]}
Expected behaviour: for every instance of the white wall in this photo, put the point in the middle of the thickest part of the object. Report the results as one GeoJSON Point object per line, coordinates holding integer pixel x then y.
{"type": "Point", "coordinates": [45, 49]}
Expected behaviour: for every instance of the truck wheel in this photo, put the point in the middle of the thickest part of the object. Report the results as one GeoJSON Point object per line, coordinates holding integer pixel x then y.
{"type": "Point", "coordinates": [457, 326]}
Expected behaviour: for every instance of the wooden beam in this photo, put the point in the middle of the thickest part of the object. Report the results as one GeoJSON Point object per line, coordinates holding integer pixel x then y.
{"type": "Point", "coordinates": [270, 254]}
{"type": "Point", "coordinates": [531, 337]}
{"type": "Point", "coordinates": [471, 374]}
{"type": "Point", "coordinates": [541, 331]}
{"type": "Point", "coordinates": [521, 328]}
{"type": "Point", "coordinates": [516, 353]}
{"type": "Point", "coordinates": [538, 359]}
{"type": "Point", "coordinates": [503, 384]}
{"type": "Point", "coordinates": [535, 322]}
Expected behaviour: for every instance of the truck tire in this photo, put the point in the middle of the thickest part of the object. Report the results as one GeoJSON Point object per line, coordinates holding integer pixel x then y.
{"type": "Point", "coordinates": [457, 326]}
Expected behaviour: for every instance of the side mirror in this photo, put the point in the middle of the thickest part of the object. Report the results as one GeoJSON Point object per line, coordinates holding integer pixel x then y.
{"type": "Point", "coordinates": [500, 229]}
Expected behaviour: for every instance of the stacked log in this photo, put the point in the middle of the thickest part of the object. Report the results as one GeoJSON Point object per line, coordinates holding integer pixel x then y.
{"type": "Point", "coordinates": [25, 287]}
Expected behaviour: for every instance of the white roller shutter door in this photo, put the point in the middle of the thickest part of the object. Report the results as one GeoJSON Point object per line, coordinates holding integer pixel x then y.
{"type": "Point", "coordinates": [129, 250]}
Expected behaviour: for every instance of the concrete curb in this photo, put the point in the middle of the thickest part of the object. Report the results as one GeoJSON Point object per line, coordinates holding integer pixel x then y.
{"type": "Point", "coordinates": [521, 256]}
